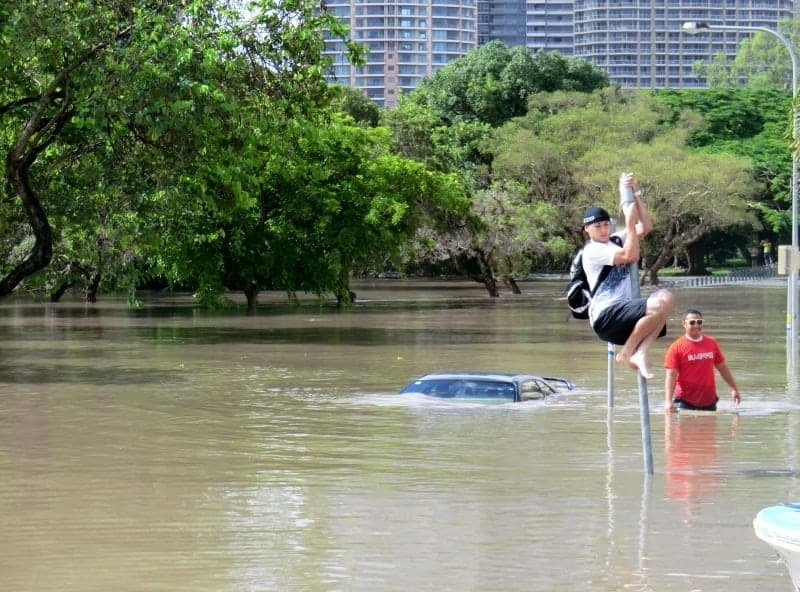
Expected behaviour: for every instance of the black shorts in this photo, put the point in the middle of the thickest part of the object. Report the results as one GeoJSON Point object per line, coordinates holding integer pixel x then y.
{"type": "Point", "coordinates": [681, 404]}
{"type": "Point", "coordinates": [615, 324]}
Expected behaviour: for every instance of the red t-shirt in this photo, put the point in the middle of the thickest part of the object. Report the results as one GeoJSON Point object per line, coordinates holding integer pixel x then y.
{"type": "Point", "coordinates": [695, 362]}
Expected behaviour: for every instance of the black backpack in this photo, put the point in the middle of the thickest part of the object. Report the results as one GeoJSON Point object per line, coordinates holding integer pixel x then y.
{"type": "Point", "coordinates": [579, 296]}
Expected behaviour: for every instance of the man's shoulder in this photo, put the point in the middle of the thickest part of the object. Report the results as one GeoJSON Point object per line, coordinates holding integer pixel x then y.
{"type": "Point", "coordinates": [614, 241]}
{"type": "Point", "coordinates": [678, 342]}
{"type": "Point", "coordinates": [598, 254]}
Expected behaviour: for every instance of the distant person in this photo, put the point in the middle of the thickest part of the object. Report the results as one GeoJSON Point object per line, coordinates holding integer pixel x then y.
{"type": "Point", "coordinates": [614, 314]}
{"type": "Point", "coordinates": [690, 363]}
{"type": "Point", "coordinates": [766, 246]}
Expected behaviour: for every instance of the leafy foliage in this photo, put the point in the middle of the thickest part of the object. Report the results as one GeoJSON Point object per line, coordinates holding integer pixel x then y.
{"type": "Point", "coordinates": [762, 62]}
{"type": "Point", "coordinates": [321, 201]}
{"type": "Point", "coordinates": [750, 123]}
{"type": "Point", "coordinates": [200, 143]}
{"type": "Point", "coordinates": [112, 112]}
{"type": "Point", "coordinates": [357, 105]}
{"type": "Point", "coordinates": [492, 83]}
{"type": "Point", "coordinates": [560, 154]}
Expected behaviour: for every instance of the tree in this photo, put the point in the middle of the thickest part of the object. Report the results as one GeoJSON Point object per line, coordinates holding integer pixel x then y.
{"type": "Point", "coordinates": [357, 105]}
{"type": "Point", "coordinates": [560, 154]}
{"type": "Point", "coordinates": [748, 123]}
{"type": "Point", "coordinates": [110, 80]}
{"type": "Point", "coordinates": [492, 83]}
{"type": "Point", "coordinates": [317, 201]}
{"type": "Point", "coordinates": [446, 122]}
{"type": "Point", "coordinates": [554, 71]}
{"type": "Point", "coordinates": [517, 231]}
{"type": "Point", "coordinates": [761, 62]}
{"type": "Point", "coordinates": [690, 196]}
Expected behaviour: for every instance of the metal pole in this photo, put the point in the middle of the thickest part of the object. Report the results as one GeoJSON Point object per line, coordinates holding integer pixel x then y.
{"type": "Point", "coordinates": [644, 521]}
{"type": "Point", "coordinates": [791, 314]}
{"type": "Point", "coordinates": [644, 403]}
{"type": "Point", "coordinates": [610, 362]}
{"type": "Point", "coordinates": [644, 418]}
{"type": "Point", "coordinates": [793, 275]}
{"type": "Point", "coordinates": [626, 196]}
{"type": "Point", "coordinates": [610, 372]}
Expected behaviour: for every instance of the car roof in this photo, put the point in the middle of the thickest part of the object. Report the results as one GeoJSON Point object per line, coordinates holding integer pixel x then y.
{"type": "Point", "coordinates": [477, 375]}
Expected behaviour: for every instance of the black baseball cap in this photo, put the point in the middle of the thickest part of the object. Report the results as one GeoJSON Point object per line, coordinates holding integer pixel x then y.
{"type": "Point", "coordinates": [595, 214]}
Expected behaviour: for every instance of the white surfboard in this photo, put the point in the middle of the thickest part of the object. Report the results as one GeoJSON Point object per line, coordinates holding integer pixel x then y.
{"type": "Point", "coordinates": [779, 527]}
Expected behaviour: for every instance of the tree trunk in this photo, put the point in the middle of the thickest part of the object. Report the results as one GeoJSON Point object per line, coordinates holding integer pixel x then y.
{"type": "Point", "coordinates": [345, 297]}
{"type": "Point", "coordinates": [490, 281]}
{"type": "Point", "coordinates": [92, 287]}
{"type": "Point", "coordinates": [512, 283]}
{"type": "Point", "coordinates": [59, 292]}
{"type": "Point", "coordinates": [481, 273]}
{"type": "Point", "coordinates": [251, 293]}
{"type": "Point", "coordinates": [42, 251]}
{"type": "Point", "coordinates": [74, 273]}
{"type": "Point", "coordinates": [491, 286]}
{"type": "Point", "coordinates": [697, 263]}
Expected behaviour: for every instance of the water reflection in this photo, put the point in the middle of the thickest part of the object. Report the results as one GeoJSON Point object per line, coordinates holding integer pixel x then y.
{"type": "Point", "coordinates": [694, 468]}
{"type": "Point", "coordinates": [622, 521]}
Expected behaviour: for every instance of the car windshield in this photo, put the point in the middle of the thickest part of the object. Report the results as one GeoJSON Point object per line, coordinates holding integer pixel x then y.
{"type": "Point", "coordinates": [462, 388]}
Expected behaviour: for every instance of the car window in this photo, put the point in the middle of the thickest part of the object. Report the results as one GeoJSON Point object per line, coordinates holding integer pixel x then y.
{"type": "Point", "coordinates": [486, 389]}
{"type": "Point", "coordinates": [533, 389]}
{"type": "Point", "coordinates": [436, 388]}
{"type": "Point", "coordinates": [462, 388]}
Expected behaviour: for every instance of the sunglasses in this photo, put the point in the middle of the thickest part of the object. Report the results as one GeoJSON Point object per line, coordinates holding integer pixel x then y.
{"type": "Point", "coordinates": [693, 322]}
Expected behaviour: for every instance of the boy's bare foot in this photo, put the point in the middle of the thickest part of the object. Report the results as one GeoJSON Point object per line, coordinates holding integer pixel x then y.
{"type": "Point", "coordinates": [639, 360]}
{"type": "Point", "coordinates": [623, 357]}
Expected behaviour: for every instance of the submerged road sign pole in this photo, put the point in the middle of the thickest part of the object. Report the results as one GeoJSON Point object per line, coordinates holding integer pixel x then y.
{"type": "Point", "coordinates": [626, 197]}
{"type": "Point", "coordinates": [610, 371]}
{"type": "Point", "coordinates": [610, 363]}
{"type": "Point", "coordinates": [789, 264]}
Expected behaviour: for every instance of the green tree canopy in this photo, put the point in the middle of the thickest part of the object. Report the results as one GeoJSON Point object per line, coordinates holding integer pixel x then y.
{"type": "Point", "coordinates": [357, 105]}
{"type": "Point", "coordinates": [751, 123]}
{"type": "Point", "coordinates": [570, 149]}
{"type": "Point", "coordinates": [149, 88]}
{"type": "Point", "coordinates": [762, 61]}
{"type": "Point", "coordinates": [319, 200]}
{"type": "Point", "coordinates": [491, 84]}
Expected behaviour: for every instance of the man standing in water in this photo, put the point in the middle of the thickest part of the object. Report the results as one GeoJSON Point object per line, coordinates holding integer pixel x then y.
{"type": "Point", "coordinates": [690, 362]}
{"type": "Point", "coordinates": [615, 315]}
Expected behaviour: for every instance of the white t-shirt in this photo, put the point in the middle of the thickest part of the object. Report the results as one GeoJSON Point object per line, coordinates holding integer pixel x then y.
{"type": "Point", "coordinates": [616, 287]}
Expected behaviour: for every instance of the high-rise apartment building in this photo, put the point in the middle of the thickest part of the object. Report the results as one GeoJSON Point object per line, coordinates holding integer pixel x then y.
{"type": "Point", "coordinates": [641, 44]}
{"type": "Point", "coordinates": [549, 26]}
{"type": "Point", "coordinates": [502, 19]}
{"type": "Point", "coordinates": [638, 43]}
{"type": "Point", "coordinates": [408, 40]}
{"type": "Point", "coordinates": [537, 24]}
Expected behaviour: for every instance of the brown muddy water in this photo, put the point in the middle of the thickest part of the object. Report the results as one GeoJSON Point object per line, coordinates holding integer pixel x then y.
{"type": "Point", "coordinates": [171, 449]}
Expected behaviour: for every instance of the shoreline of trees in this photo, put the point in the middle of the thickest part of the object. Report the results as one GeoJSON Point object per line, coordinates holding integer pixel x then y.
{"type": "Point", "coordinates": [203, 149]}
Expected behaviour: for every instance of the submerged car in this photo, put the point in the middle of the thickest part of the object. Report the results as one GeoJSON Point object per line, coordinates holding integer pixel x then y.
{"type": "Point", "coordinates": [500, 386]}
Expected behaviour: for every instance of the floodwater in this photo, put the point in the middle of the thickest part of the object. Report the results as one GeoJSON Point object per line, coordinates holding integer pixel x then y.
{"type": "Point", "coordinates": [171, 449]}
